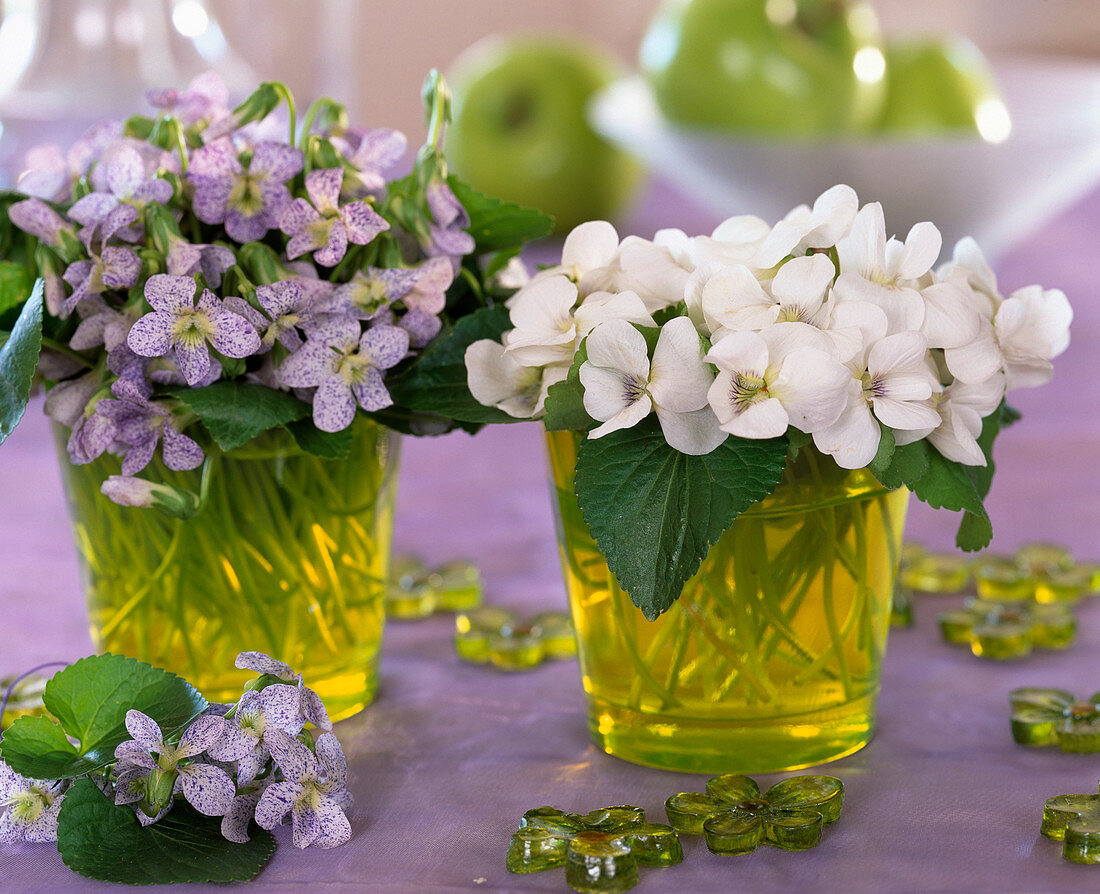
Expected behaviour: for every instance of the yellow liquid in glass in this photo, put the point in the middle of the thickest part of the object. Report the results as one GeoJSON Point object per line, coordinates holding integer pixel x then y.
{"type": "Point", "coordinates": [288, 556]}
{"type": "Point", "coordinates": [770, 659]}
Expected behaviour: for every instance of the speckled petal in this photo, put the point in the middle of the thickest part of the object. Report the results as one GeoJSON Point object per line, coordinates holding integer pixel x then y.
{"type": "Point", "coordinates": [245, 227]}
{"type": "Point", "coordinates": [118, 219]}
{"type": "Point", "coordinates": [92, 208]}
{"type": "Point", "coordinates": [333, 251]}
{"type": "Point", "coordinates": [294, 759]}
{"type": "Point", "coordinates": [180, 452]}
{"type": "Point", "coordinates": [324, 188]}
{"type": "Point", "coordinates": [138, 456]}
{"type": "Point", "coordinates": [212, 200]}
{"type": "Point", "coordinates": [334, 826]}
{"type": "Point", "coordinates": [280, 706]}
{"type": "Point", "coordinates": [296, 219]}
{"type": "Point", "coordinates": [275, 161]}
{"type": "Point", "coordinates": [362, 222]}
{"type": "Point", "coordinates": [280, 298]}
{"type": "Point", "coordinates": [313, 709]}
{"type": "Point", "coordinates": [371, 393]}
{"type": "Point", "coordinates": [151, 336]}
{"type": "Point", "coordinates": [207, 788]}
{"type": "Point", "coordinates": [200, 735]}
{"type": "Point", "coordinates": [307, 367]}
{"type": "Point", "coordinates": [233, 744]}
{"type": "Point", "coordinates": [135, 753]}
{"type": "Point", "coordinates": [121, 268]}
{"type": "Point", "coordinates": [37, 218]}
{"type": "Point", "coordinates": [262, 663]}
{"type": "Point", "coordinates": [421, 326]}
{"type": "Point", "coordinates": [233, 335]}
{"type": "Point", "coordinates": [385, 345]}
{"type": "Point", "coordinates": [238, 817]}
{"type": "Point", "coordinates": [44, 829]}
{"type": "Point", "coordinates": [216, 160]}
{"type": "Point", "coordinates": [333, 405]}
{"type": "Point", "coordinates": [125, 172]}
{"type": "Point", "coordinates": [10, 830]}
{"type": "Point", "coordinates": [194, 362]}
{"type": "Point", "coordinates": [130, 784]}
{"type": "Point", "coordinates": [10, 782]}
{"type": "Point", "coordinates": [144, 729]}
{"type": "Point", "coordinates": [154, 190]}
{"type": "Point", "coordinates": [330, 757]}
{"type": "Point", "coordinates": [275, 803]}
{"type": "Point", "coordinates": [170, 293]}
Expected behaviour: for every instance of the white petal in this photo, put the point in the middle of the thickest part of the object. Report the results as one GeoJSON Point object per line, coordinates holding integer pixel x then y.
{"type": "Point", "coordinates": [813, 388]}
{"type": "Point", "coordinates": [740, 352]}
{"type": "Point", "coordinates": [903, 350]}
{"type": "Point", "coordinates": [977, 361]}
{"type": "Point", "coordinates": [735, 299]}
{"type": "Point", "coordinates": [905, 414]}
{"type": "Point", "coordinates": [599, 307]}
{"type": "Point", "coordinates": [854, 438]}
{"type": "Point", "coordinates": [545, 305]}
{"type": "Point", "coordinates": [588, 246]}
{"type": "Point", "coordinates": [679, 377]}
{"type": "Point", "coordinates": [764, 419]}
{"type": "Point", "coordinates": [863, 250]}
{"type": "Point", "coordinates": [629, 417]}
{"type": "Point", "coordinates": [803, 280]}
{"type": "Point", "coordinates": [696, 433]}
{"type": "Point", "coordinates": [833, 213]}
{"type": "Point", "coordinates": [607, 392]}
{"type": "Point", "coordinates": [922, 248]}
{"type": "Point", "coordinates": [618, 345]}
{"type": "Point", "coordinates": [949, 319]}
{"type": "Point", "coordinates": [495, 379]}
{"type": "Point", "coordinates": [904, 307]}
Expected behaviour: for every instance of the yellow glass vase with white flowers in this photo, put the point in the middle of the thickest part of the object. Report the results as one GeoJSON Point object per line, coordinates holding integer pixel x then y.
{"type": "Point", "coordinates": [735, 424]}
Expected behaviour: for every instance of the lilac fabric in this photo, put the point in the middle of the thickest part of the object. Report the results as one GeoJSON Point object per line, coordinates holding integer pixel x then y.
{"type": "Point", "coordinates": [449, 756]}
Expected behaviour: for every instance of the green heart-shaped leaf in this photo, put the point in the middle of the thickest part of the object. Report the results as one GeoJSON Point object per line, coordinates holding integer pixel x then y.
{"type": "Point", "coordinates": [104, 841]}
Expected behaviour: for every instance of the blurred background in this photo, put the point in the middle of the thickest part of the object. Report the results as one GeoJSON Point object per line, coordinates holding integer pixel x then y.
{"type": "Point", "coordinates": [66, 63]}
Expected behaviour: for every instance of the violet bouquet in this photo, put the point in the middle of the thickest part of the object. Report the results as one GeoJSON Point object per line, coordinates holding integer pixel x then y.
{"type": "Point", "coordinates": [206, 274]}
{"type": "Point", "coordinates": [700, 372]}
{"type": "Point", "coordinates": [139, 780]}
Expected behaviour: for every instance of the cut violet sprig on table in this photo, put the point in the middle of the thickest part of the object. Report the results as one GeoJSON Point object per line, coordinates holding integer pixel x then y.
{"type": "Point", "coordinates": [140, 780]}
{"type": "Point", "coordinates": [702, 370]}
{"type": "Point", "coordinates": [206, 274]}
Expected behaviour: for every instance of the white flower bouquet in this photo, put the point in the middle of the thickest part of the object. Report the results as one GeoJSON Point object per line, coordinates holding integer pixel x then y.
{"type": "Point", "coordinates": [698, 366]}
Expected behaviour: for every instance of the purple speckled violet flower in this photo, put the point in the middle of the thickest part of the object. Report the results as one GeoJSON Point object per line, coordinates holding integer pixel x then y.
{"type": "Point", "coordinates": [32, 807]}
{"type": "Point", "coordinates": [313, 791]}
{"type": "Point", "coordinates": [205, 99]}
{"type": "Point", "coordinates": [448, 234]}
{"type": "Point", "coordinates": [345, 365]}
{"type": "Point", "coordinates": [207, 788]}
{"type": "Point", "coordinates": [371, 152]}
{"type": "Point", "coordinates": [40, 220]}
{"type": "Point", "coordinates": [313, 709]}
{"type": "Point", "coordinates": [286, 306]}
{"type": "Point", "coordinates": [324, 227]}
{"type": "Point", "coordinates": [178, 322]}
{"type": "Point", "coordinates": [276, 707]}
{"type": "Point", "coordinates": [139, 423]}
{"type": "Point", "coordinates": [249, 201]}
{"type": "Point", "coordinates": [126, 184]}
{"type": "Point", "coordinates": [370, 291]}
{"type": "Point", "coordinates": [110, 267]}
{"type": "Point", "coordinates": [187, 259]}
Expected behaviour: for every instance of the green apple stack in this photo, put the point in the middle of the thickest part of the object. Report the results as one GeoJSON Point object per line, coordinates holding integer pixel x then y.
{"type": "Point", "coordinates": [519, 130]}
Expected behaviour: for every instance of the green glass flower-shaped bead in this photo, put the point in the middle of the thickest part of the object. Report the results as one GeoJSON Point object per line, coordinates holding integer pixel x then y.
{"type": "Point", "coordinates": [415, 591]}
{"type": "Point", "coordinates": [600, 863]}
{"type": "Point", "coordinates": [936, 573]}
{"type": "Point", "coordinates": [735, 817]}
{"type": "Point", "coordinates": [1075, 821]}
{"type": "Point", "coordinates": [601, 849]}
{"type": "Point", "coordinates": [1055, 717]}
{"type": "Point", "coordinates": [654, 844]}
{"type": "Point", "coordinates": [901, 608]}
{"type": "Point", "coordinates": [1043, 558]}
{"type": "Point", "coordinates": [1008, 630]}
{"type": "Point", "coordinates": [533, 849]}
{"type": "Point", "coordinates": [1001, 579]}
{"type": "Point", "coordinates": [491, 635]}
{"type": "Point", "coordinates": [1067, 585]}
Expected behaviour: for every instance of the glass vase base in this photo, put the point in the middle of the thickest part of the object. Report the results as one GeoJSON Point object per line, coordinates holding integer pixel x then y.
{"type": "Point", "coordinates": [714, 746]}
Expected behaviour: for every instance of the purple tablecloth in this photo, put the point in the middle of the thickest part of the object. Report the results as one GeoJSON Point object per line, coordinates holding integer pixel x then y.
{"type": "Point", "coordinates": [449, 756]}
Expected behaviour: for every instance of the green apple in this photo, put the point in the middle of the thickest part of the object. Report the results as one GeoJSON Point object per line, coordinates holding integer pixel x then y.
{"type": "Point", "coordinates": [785, 67]}
{"type": "Point", "coordinates": [519, 130]}
{"type": "Point", "coordinates": [936, 86]}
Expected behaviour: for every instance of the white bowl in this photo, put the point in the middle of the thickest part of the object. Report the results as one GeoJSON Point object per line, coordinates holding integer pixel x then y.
{"type": "Point", "coordinates": [996, 192]}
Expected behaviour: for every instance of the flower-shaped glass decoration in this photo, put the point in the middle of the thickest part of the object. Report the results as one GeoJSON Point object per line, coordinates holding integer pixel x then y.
{"type": "Point", "coordinates": [1045, 572]}
{"type": "Point", "coordinates": [926, 572]}
{"type": "Point", "coordinates": [734, 817]}
{"type": "Point", "coordinates": [601, 850]}
{"type": "Point", "coordinates": [498, 636]}
{"type": "Point", "coordinates": [1008, 630]}
{"type": "Point", "coordinates": [1075, 821]}
{"type": "Point", "coordinates": [1055, 717]}
{"type": "Point", "coordinates": [416, 591]}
